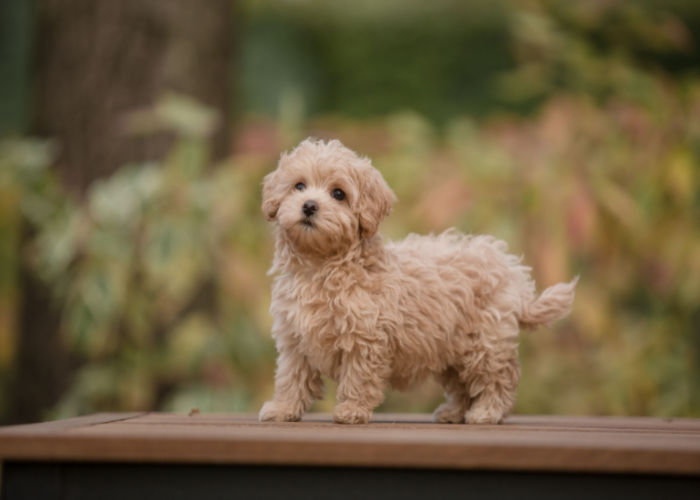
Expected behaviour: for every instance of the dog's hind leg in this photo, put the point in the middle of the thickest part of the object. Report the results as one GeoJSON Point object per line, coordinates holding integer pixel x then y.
{"type": "Point", "coordinates": [492, 383]}
{"type": "Point", "coordinates": [492, 404]}
{"type": "Point", "coordinates": [492, 391]}
{"type": "Point", "coordinates": [452, 411]}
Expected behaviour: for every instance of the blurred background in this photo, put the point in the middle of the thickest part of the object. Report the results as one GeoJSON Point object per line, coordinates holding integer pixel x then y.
{"type": "Point", "coordinates": [135, 134]}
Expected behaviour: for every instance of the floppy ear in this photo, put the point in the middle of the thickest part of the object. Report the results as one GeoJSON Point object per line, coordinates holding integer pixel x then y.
{"type": "Point", "coordinates": [376, 198]}
{"type": "Point", "coordinates": [272, 194]}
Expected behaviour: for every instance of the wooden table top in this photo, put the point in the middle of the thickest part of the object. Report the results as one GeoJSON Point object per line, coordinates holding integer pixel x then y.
{"type": "Point", "coordinates": [542, 443]}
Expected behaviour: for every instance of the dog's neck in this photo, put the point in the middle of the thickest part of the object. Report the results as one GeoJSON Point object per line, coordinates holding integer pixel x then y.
{"type": "Point", "coordinates": [366, 252]}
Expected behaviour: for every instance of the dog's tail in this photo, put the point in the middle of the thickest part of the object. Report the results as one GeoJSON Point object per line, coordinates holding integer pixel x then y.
{"type": "Point", "coordinates": [553, 304]}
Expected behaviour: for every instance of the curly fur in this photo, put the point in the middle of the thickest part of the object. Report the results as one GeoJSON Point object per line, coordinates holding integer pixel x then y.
{"type": "Point", "coordinates": [370, 315]}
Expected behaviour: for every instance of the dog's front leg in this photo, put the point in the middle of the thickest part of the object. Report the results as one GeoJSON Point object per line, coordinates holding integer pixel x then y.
{"type": "Point", "coordinates": [363, 378]}
{"type": "Point", "coordinates": [297, 385]}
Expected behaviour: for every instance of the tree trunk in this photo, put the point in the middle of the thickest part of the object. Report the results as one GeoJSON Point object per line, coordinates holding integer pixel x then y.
{"type": "Point", "coordinates": [96, 60]}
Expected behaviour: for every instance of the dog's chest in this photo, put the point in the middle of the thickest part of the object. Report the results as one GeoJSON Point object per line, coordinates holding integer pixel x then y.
{"type": "Point", "coordinates": [326, 313]}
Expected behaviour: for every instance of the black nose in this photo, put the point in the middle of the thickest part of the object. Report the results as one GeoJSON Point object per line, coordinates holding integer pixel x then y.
{"type": "Point", "coordinates": [310, 207]}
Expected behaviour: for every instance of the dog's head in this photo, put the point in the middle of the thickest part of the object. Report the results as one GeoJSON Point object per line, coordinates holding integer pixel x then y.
{"type": "Point", "coordinates": [325, 197]}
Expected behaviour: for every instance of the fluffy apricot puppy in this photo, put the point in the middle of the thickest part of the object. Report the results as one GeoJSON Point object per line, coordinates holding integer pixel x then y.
{"type": "Point", "coordinates": [370, 314]}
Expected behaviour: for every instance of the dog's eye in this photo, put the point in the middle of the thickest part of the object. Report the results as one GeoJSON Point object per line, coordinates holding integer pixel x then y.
{"type": "Point", "coordinates": [300, 186]}
{"type": "Point", "coordinates": [338, 194]}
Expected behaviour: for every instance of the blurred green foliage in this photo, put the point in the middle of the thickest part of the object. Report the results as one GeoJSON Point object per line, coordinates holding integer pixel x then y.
{"type": "Point", "coordinates": [449, 57]}
{"type": "Point", "coordinates": [160, 271]}
{"type": "Point", "coordinates": [155, 271]}
{"type": "Point", "coordinates": [366, 58]}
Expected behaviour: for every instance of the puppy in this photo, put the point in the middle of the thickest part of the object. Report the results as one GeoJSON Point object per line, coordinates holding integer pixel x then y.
{"type": "Point", "coordinates": [370, 314]}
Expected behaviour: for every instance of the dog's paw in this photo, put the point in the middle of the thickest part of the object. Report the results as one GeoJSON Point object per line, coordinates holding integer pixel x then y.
{"type": "Point", "coordinates": [449, 413]}
{"type": "Point", "coordinates": [349, 413]}
{"type": "Point", "coordinates": [483, 416]}
{"type": "Point", "coordinates": [275, 411]}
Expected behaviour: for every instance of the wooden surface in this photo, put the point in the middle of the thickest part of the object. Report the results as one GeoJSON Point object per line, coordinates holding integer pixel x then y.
{"type": "Point", "coordinates": [529, 443]}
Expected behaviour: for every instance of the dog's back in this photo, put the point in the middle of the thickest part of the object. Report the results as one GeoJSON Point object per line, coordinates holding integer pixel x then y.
{"type": "Point", "coordinates": [474, 274]}
{"type": "Point", "coordinates": [479, 275]}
